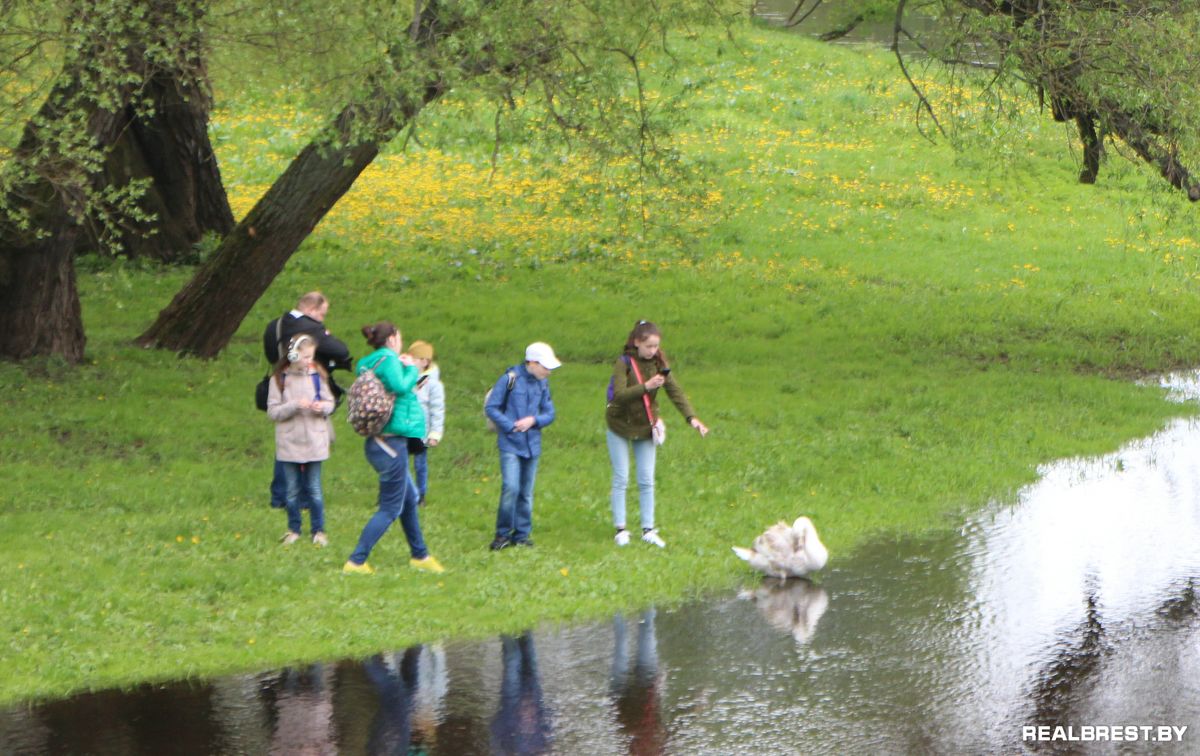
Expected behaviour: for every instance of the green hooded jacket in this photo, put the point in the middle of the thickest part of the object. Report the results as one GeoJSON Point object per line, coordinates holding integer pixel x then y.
{"type": "Point", "coordinates": [407, 417]}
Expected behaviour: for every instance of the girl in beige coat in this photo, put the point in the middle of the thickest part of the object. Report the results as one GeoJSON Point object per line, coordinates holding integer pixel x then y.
{"type": "Point", "coordinates": [300, 402]}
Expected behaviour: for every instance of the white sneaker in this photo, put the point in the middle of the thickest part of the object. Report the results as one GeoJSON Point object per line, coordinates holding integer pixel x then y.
{"type": "Point", "coordinates": [651, 536]}
{"type": "Point", "coordinates": [320, 540]}
{"type": "Point", "coordinates": [622, 538]}
{"type": "Point", "coordinates": [289, 538]}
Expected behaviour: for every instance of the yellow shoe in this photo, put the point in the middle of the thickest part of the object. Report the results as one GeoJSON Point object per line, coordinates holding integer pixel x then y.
{"type": "Point", "coordinates": [429, 564]}
{"type": "Point", "coordinates": [350, 568]}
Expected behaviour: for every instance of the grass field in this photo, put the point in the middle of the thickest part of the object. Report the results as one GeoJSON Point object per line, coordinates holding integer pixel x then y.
{"type": "Point", "coordinates": [882, 333]}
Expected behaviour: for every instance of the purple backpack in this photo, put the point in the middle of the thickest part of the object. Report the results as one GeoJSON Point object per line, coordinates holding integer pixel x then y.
{"type": "Point", "coordinates": [611, 388]}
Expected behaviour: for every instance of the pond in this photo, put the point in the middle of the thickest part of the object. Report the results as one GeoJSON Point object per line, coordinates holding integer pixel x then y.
{"type": "Point", "coordinates": [817, 17]}
{"type": "Point", "coordinates": [1072, 609]}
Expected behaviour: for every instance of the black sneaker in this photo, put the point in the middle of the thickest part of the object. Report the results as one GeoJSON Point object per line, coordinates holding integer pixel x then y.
{"type": "Point", "coordinates": [524, 542]}
{"type": "Point", "coordinates": [500, 543]}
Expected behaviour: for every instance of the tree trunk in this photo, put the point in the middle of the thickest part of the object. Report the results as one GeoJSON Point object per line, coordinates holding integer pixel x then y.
{"type": "Point", "coordinates": [185, 196]}
{"type": "Point", "coordinates": [204, 315]}
{"type": "Point", "coordinates": [1092, 149]}
{"type": "Point", "coordinates": [101, 70]}
{"type": "Point", "coordinates": [37, 283]}
{"type": "Point", "coordinates": [37, 275]}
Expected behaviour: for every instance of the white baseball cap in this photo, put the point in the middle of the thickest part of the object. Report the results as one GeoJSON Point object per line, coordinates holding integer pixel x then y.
{"type": "Point", "coordinates": [541, 353]}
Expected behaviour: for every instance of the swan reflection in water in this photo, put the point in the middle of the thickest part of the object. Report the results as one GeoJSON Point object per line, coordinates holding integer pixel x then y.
{"type": "Point", "coordinates": [793, 606]}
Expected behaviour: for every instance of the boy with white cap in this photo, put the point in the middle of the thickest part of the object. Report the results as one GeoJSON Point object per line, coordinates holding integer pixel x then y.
{"type": "Point", "coordinates": [520, 406]}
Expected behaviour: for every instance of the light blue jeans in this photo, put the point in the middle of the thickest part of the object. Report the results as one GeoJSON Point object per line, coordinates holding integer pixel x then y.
{"type": "Point", "coordinates": [644, 452]}
{"type": "Point", "coordinates": [514, 516]}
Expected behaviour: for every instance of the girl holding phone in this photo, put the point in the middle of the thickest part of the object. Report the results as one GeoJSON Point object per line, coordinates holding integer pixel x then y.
{"type": "Point", "coordinates": [631, 417]}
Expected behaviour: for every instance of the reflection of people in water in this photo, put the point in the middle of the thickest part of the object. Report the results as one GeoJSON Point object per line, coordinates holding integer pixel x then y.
{"type": "Point", "coordinates": [391, 729]}
{"type": "Point", "coordinates": [637, 692]}
{"type": "Point", "coordinates": [522, 725]}
{"type": "Point", "coordinates": [793, 606]}
{"type": "Point", "coordinates": [304, 712]}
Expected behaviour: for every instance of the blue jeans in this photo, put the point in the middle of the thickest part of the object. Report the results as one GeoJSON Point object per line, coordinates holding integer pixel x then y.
{"type": "Point", "coordinates": [304, 484]}
{"type": "Point", "coordinates": [279, 489]}
{"type": "Point", "coordinates": [514, 518]}
{"type": "Point", "coordinates": [644, 452]}
{"type": "Point", "coordinates": [421, 472]}
{"type": "Point", "coordinates": [397, 499]}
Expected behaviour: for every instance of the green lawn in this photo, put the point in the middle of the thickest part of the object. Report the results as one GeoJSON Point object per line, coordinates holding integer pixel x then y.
{"type": "Point", "coordinates": [882, 333]}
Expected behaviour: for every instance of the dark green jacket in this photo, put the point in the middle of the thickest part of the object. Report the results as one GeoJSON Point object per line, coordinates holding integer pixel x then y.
{"type": "Point", "coordinates": [626, 413]}
{"type": "Point", "coordinates": [408, 419]}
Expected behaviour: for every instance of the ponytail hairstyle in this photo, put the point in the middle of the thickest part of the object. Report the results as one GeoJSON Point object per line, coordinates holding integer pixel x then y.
{"type": "Point", "coordinates": [378, 334]}
{"type": "Point", "coordinates": [641, 330]}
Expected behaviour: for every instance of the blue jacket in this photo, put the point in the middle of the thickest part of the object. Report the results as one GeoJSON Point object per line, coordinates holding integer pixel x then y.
{"type": "Point", "coordinates": [529, 396]}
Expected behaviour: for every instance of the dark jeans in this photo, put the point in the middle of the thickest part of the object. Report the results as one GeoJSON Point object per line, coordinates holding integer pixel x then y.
{"type": "Point", "coordinates": [421, 471]}
{"type": "Point", "coordinates": [397, 499]}
{"type": "Point", "coordinates": [279, 490]}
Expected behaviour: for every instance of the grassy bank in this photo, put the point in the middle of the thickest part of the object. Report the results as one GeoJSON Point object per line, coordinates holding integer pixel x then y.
{"type": "Point", "coordinates": [882, 333]}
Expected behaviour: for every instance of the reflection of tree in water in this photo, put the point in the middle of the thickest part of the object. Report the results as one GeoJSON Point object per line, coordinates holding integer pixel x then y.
{"type": "Point", "coordinates": [522, 724]}
{"type": "Point", "coordinates": [1179, 609]}
{"type": "Point", "coordinates": [151, 718]}
{"type": "Point", "coordinates": [637, 692]}
{"type": "Point", "coordinates": [1076, 666]}
{"type": "Point", "coordinates": [1076, 661]}
{"type": "Point", "coordinates": [794, 606]}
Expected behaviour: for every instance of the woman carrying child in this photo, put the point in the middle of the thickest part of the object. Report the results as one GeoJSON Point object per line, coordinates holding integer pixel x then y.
{"type": "Point", "coordinates": [631, 415]}
{"type": "Point", "coordinates": [388, 452]}
{"type": "Point", "coordinates": [300, 401]}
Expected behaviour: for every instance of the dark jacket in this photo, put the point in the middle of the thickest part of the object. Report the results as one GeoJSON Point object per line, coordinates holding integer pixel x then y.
{"type": "Point", "coordinates": [626, 413]}
{"type": "Point", "coordinates": [332, 353]}
{"type": "Point", "coordinates": [529, 396]}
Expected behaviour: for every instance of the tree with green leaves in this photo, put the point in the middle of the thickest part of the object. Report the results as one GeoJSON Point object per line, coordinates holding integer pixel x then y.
{"type": "Point", "coordinates": [130, 61]}
{"type": "Point", "coordinates": [1123, 71]}
{"type": "Point", "coordinates": [117, 153]}
{"type": "Point", "coordinates": [1120, 69]}
{"type": "Point", "coordinates": [581, 60]}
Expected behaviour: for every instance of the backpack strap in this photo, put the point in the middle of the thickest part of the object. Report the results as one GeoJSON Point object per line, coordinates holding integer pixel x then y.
{"type": "Point", "coordinates": [374, 367]}
{"type": "Point", "coordinates": [512, 381]}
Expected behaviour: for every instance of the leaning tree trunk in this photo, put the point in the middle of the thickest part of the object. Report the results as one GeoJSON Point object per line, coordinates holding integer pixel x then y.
{"type": "Point", "coordinates": [185, 196]}
{"type": "Point", "coordinates": [204, 315]}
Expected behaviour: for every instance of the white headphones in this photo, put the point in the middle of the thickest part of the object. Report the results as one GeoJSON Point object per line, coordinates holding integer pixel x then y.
{"type": "Point", "coordinates": [293, 353]}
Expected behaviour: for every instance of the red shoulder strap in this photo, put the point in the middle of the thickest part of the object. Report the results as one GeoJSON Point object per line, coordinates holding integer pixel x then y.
{"type": "Point", "coordinates": [645, 397]}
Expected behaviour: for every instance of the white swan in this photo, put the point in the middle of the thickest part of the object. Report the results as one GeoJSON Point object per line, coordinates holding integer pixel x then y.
{"type": "Point", "coordinates": [785, 551]}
